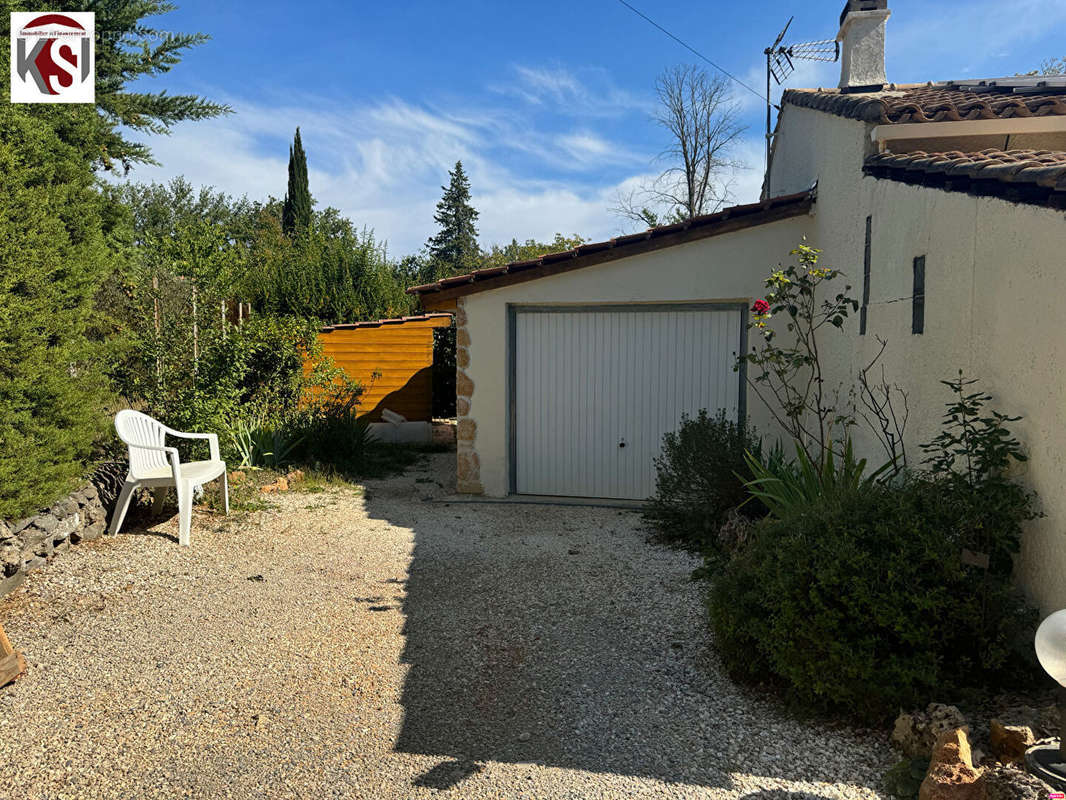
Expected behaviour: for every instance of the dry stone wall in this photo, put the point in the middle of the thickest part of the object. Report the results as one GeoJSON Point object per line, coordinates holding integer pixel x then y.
{"type": "Point", "coordinates": [29, 544]}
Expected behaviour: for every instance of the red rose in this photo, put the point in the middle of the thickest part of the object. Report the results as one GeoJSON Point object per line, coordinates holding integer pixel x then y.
{"type": "Point", "coordinates": [760, 307]}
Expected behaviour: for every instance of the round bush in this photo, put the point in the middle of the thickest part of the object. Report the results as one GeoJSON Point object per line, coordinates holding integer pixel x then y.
{"type": "Point", "coordinates": [696, 483]}
{"type": "Point", "coordinates": [863, 604]}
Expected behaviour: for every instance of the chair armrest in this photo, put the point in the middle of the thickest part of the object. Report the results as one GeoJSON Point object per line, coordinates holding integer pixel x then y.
{"type": "Point", "coordinates": [212, 440]}
{"type": "Point", "coordinates": [172, 455]}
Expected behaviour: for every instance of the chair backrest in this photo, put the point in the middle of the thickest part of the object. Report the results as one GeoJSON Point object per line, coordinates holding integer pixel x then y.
{"type": "Point", "coordinates": [133, 427]}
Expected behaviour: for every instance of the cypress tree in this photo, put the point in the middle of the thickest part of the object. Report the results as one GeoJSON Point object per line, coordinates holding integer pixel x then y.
{"type": "Point", "coordinates": [454, 249]}
{"type": "Point", "coordinates": [296, 210]}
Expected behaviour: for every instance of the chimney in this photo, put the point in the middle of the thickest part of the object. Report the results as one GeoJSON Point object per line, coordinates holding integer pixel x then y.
{"type": "Point", "coordinates": [862, 45]}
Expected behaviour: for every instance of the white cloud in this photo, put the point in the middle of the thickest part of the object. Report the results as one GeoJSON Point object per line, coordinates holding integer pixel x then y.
{"type": "Point", "coordinates": [383, 166]}
{"type": "Point", "coordinates": [590, 93]}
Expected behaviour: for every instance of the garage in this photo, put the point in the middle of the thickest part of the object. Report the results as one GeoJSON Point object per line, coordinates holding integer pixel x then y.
{"type": "Point", "coordinates": [594, 389]}
{"type": "Point", "coordinates": [570, 367]}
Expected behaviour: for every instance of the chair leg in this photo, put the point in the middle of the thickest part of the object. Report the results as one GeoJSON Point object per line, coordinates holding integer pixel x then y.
{"type": "Point", "coordinates": [160, 494]}
{"type": "Point", "coordinates": [123, 503]}
{"type": "Point", "coordinates": [184, 513]}
{"type": "Point", "coordinates": [225, 493]}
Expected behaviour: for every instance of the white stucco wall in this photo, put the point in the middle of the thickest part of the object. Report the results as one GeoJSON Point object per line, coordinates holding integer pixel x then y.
{"type": "Point", "coordinates": [994, 287]}
{"type": "Point", "coordinates": [729, 267]}
{"type": "Point", "coordinates": [994, 279]}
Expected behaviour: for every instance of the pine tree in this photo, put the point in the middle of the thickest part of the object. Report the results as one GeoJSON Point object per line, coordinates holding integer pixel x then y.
{"type": "Point", "coordinates": [454, 249]}
{"type": "Point", "coordinates": [296, 211]}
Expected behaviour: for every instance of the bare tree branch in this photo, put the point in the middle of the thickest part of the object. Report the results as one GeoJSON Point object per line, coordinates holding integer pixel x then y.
{"type": "Point", "coordinates": [702, 119]}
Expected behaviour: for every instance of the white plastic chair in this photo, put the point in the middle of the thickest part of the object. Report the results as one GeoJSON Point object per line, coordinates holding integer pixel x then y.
{"type": "Point", "coordinates": [156, 466]}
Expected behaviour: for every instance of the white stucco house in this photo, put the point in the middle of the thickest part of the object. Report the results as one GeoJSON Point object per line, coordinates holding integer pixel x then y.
{"type": "Point", "coordinates": [943, 203]}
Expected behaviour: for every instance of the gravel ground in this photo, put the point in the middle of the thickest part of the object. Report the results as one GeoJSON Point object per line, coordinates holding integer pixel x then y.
{"type": "Point", "coordinates": [390, 644]}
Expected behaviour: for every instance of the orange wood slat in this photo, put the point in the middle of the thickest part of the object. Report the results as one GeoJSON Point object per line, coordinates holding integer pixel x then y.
{"type": "Point", "coordinates": [393, 364]}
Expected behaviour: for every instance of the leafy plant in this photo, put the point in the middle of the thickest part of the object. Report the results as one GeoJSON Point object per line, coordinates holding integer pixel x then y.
{"type": "Point", "coordinates": [969, 460]}
{"type": "Point", "coordinates": [262, 445]}
{"type": "Point", "coordinates": [904, 779]}
{"type": "Point", "coordinates": [977, 442]}
{"type": "Point", "coordinates": [696, 481]}
{"type": "Point", "coordinates": [787, 488]}
{"type": "Point", "coordinates": [331, 431]}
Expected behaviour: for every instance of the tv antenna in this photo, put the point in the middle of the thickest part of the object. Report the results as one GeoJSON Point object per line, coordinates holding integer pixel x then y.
{"type": "Point", "coordinates": [780, 63]}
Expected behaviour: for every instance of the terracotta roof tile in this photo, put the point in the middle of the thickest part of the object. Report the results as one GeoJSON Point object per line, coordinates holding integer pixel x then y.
{"type": "Point", "coordinates": [623, 246]}
{"type": "Point", "coordinates": [937, 102]}
{"type": "Point", "coordinates": [378, 323]}
{"type": "Point", "coordinates": [1031, 176]}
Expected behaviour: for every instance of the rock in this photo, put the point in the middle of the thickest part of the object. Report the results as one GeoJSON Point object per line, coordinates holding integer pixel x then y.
{"type": "Point", "coordinates": [88, 533]}
{"type": "Point", "coordinates": [280, 485]}
{"type": "Point", "coordinates": [34, 562]}
{"type": "Point", "coordinates": [46, 523]}
{"type": "Point", "coordinates": [10, 557]}
{"type": "Point", "coordinates": [21, 525]}
{"type": "Point", "coordinates": [951, 773]}
{"type": "Point", "coordinates": [1043, 722]}
{"type": "Point", "coordinates": [1009, 742]}
{"type": "Point", "coordinates": [11, 583]}
{"type": "Point", "coordinates": [1004, 783]}
{"type": "Point", "coordinates": [525, 736]}
{"type": "Point", "coordinates": [66, 527]}
{"type": "Point", "coordinates": [916, 733]}
{"type": "Point", "coordinates": [65, 508]}
{"type": "Point", "coordinates": [295, 476]}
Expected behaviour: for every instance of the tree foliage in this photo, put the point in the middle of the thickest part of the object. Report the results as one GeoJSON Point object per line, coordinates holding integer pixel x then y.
{"type": "Point", "coordinates": [335, 273]}
{"type": "Point", "coordinates": [453, 250]}
{"type": "Point", "coordinates": [60, 237]}
{"type": "Point", "coordinates": [296, 208]}
{"type": "Point", "coordinates": [499, 255]}
{"type": "Point", "coordinates": [126, 49]}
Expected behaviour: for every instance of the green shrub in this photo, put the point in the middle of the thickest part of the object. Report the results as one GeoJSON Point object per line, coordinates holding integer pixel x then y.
{"type": "Point", "coordinates": [251, 375]}
{"type": "Point", "coordinates": [331, 433]}
{"type": "Point", "coordinates": [53, 255]}
{"type": "Point", "coordinates": [880, 596]}
{"type": "Point", "coordinates": [862, 604]}
{"type": "Point", "coordinates": [697, 481]}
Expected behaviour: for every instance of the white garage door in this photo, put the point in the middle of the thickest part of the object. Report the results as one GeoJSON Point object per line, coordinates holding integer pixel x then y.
{"type": "Point", "coordinates": [594, 390]}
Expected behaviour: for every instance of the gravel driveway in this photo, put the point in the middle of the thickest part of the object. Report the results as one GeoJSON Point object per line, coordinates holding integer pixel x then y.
{"type": "Point", "coordinates": [390, 644]}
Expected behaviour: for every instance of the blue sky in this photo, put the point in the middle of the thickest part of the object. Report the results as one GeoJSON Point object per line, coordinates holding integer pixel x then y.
{"type": "Point", "coordinates": [547, 103]}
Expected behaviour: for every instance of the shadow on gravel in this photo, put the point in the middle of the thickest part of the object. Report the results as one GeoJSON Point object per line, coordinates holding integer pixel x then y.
{"type": "Point", "coordinates": [140, 522]}
{"type": "Point", "coordinates": [537, 634]}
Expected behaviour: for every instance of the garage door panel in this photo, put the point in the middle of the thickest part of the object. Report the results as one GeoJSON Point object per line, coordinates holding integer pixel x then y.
{"type": "Point", "coordinates": [588, 382]}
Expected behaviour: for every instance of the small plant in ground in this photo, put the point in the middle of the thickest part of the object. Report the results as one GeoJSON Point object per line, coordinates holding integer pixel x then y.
{"type": "Point", "coordinates": [697, 481]}
{"type": "Point", "coordinates": [787, 488]}
{"type": "Point", "coordinates": [262, 445]}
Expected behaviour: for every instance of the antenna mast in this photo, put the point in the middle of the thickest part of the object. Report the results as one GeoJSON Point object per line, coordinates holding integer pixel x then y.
{"type": "Point", "coordinates": [779, 65]}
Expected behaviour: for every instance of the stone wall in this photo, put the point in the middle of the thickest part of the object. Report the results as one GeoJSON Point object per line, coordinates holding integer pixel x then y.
{"type": "Point", "coordinates": [30, 543]}
{"type": "Point", "coordinates": [467, 466]}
